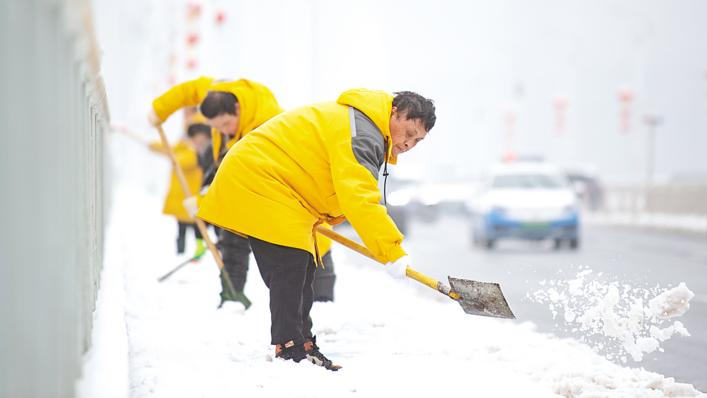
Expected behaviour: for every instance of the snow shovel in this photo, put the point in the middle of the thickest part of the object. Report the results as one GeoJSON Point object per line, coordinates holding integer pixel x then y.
{"type": "Point", "coordinates": [476, 298]}
{"type": "Point", "coordinates": [177, 268]}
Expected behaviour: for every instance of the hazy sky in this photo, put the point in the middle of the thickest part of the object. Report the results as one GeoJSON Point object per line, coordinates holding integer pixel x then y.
{"type": "Point", "coordinates": [480, 61]}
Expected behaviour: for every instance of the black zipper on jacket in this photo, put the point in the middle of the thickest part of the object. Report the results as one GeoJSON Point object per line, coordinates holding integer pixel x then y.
{"type": "Point", "coordinates": [385, 173]}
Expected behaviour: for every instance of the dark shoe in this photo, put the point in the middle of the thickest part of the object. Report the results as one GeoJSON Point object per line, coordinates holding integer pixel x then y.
{"type": "Point", "coordinates": [316, 357]}
{"type": "Point", "coordinates": [290, 351]}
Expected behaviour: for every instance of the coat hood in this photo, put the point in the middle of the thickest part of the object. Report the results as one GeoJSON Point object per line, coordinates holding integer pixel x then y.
{"type": "Point", "coordinates": [257, 105]}
{"type": "Point", "coordinates": [377, 106]}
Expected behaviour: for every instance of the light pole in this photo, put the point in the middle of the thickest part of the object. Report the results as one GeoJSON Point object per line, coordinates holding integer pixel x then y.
{"type": "Point", "coordinates": [625, 98]}
{"type": "Point", "coordinates": [652, 121]}
{"type": "Point", "coordinates": [509, 121]}
{"type": "Point", "coordinates": [560, 104]}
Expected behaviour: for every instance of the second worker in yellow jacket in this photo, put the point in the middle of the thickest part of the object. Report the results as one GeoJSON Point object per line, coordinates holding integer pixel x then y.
{"type": "Point", "coordinates": [233, 109]}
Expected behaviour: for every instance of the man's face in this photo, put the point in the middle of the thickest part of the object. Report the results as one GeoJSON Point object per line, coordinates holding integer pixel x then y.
{"type": "Point", "coordinates": [226, 122]}
{"type": "Point", "coordinates": [406, 133]}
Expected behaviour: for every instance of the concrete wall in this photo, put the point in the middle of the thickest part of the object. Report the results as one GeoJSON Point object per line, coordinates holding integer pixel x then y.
{"type": "Point", "coordinates": [52, 123]}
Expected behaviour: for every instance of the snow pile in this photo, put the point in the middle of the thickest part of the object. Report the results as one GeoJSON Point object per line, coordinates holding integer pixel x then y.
{"type": "Point", "coordinates": [672, 303]}
{"type": "Point", "coordinates": [392, 338]}
{"type": "Point", "coordinates": [105, 365]}
{"type": "Point", "coordinates": [625, 318]}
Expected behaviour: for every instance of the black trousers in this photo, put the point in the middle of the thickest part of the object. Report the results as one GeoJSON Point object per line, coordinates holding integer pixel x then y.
{"type": "Point", "coordinates": [182, 234]}
{"type": "Point", "coordinates": [235, 251]}
{"type": "Point", "coordinates": [324, 279]}
{"type": "Point", "coordinates": [288, 273]}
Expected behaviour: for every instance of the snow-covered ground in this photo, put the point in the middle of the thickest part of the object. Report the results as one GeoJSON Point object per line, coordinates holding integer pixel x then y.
{"type": "Point", "coordinates": [687, 222]}
{"type": "Point", "coordinates": [391, 337]}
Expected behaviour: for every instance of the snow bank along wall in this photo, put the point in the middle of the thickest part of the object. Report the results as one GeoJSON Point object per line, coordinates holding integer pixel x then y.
{"type": "Point", "coordinates": [53, 117]}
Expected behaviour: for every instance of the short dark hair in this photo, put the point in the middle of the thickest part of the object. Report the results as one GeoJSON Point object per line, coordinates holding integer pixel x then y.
{"type": "Point", "coordinates": [198, 128]}
{"type": "Point", "coordinates": [415, 106]}
{"type": "Point", "coordinates": [217, 103]}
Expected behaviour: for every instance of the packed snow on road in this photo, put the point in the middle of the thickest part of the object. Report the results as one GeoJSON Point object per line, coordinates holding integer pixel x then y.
{"type": "Point", "coordinates": [391, 337]}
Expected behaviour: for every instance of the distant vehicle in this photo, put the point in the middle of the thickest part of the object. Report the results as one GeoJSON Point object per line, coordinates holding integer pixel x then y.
{"type": "Point", "coordinates": [426, 201]}
{"type": "Point", "coordinates": [530, 201]}
{"type": "Point", "coordinates": [445, 197]}
{"type": "Point", "coordinates": [588, 188]}
{"type": "Point", "coordinates": [400, 195]}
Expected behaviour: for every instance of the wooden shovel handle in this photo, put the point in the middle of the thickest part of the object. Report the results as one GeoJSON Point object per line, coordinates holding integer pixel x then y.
{"type": "Point", "coordinates": [409, 272]}
{"type": "Point", "coordinates": [199, 223]}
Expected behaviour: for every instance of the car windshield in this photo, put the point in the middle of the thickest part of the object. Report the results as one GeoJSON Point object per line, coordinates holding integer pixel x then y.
{"type": "Point", "coordinates": [530, 181]}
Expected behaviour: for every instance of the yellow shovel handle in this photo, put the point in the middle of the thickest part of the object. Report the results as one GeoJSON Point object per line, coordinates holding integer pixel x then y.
{"type": "Point", "coordinates": [409, 272]}
{"type": "Point", "coordinates": [431, 282]}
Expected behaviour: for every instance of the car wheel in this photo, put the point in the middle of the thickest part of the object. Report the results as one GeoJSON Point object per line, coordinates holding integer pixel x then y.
{"type": "Point", "coordinates": [574, 244]}
{"type": "Point", "coordinates": [474, 241]}
{"type": "Point", "coordinates": [557, 244]}
{"type": "Point", "coordinates": [489, 244]}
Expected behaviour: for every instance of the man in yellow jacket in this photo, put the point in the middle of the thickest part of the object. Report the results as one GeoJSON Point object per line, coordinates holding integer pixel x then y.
{"type": "Point", "coordinates": [233, 109]}
{"type": "Point", "coordinates": [304, 167]}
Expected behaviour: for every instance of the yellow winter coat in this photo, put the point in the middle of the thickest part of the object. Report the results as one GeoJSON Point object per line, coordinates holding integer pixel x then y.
{"type": "Point", "coordinates": [188, 161]}
{"type": "Point", "coordinates": [299, 169]}
{"type": "Point", "coordinates": [257, 104]}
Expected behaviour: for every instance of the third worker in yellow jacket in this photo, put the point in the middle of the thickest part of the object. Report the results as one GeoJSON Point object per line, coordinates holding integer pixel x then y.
{"type": "Point", "coordinates": [186, 152]}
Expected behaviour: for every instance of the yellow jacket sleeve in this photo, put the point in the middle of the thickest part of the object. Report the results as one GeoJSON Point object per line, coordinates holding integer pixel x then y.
{"type": "Point", "coordinates": [359, 198]}
{"type": "Point", "coordinates": [156, 146]}
{"type": "Point", "coordinates": [189, 93]}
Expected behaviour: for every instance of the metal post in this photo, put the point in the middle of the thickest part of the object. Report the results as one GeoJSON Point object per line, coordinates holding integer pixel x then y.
{"type": "Point", "coordinates": [652, 121]}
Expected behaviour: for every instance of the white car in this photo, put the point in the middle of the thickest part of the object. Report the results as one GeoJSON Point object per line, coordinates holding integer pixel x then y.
{"type": "Point", "coordinates": [527, 200]}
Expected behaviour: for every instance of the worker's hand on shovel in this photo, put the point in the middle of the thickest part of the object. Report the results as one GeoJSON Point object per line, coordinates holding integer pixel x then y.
{"type": "Point", "coordinates": [397, 268]}
{"type": "Point", "coordinates": [191, 206]}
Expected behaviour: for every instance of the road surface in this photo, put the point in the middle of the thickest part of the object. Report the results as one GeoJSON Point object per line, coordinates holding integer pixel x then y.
{"type": "Point", "coordinates": [636, 257]}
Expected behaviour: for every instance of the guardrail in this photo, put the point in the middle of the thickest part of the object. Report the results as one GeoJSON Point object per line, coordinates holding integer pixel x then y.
{"type": "Point", "coordinates": [52, 204]}
{"type": "Point", "coordinates": [667, 199]}
{"type": "Point", "coordinates": [674, 206]}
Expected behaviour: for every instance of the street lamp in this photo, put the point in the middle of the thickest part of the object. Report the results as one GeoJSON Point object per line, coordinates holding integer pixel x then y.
{"type": "Point", "coordinates": [651, 121]}
{"type": "Point", "coordinates": [509, 121]}
{"type": "Point", "coordinates": [625, 98]}
{"type": "Point", "coordinates": [560, 104]}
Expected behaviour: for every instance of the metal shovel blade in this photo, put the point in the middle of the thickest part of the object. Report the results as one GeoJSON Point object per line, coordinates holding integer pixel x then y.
{"type": "Point", "coordinates": [481, 298]}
